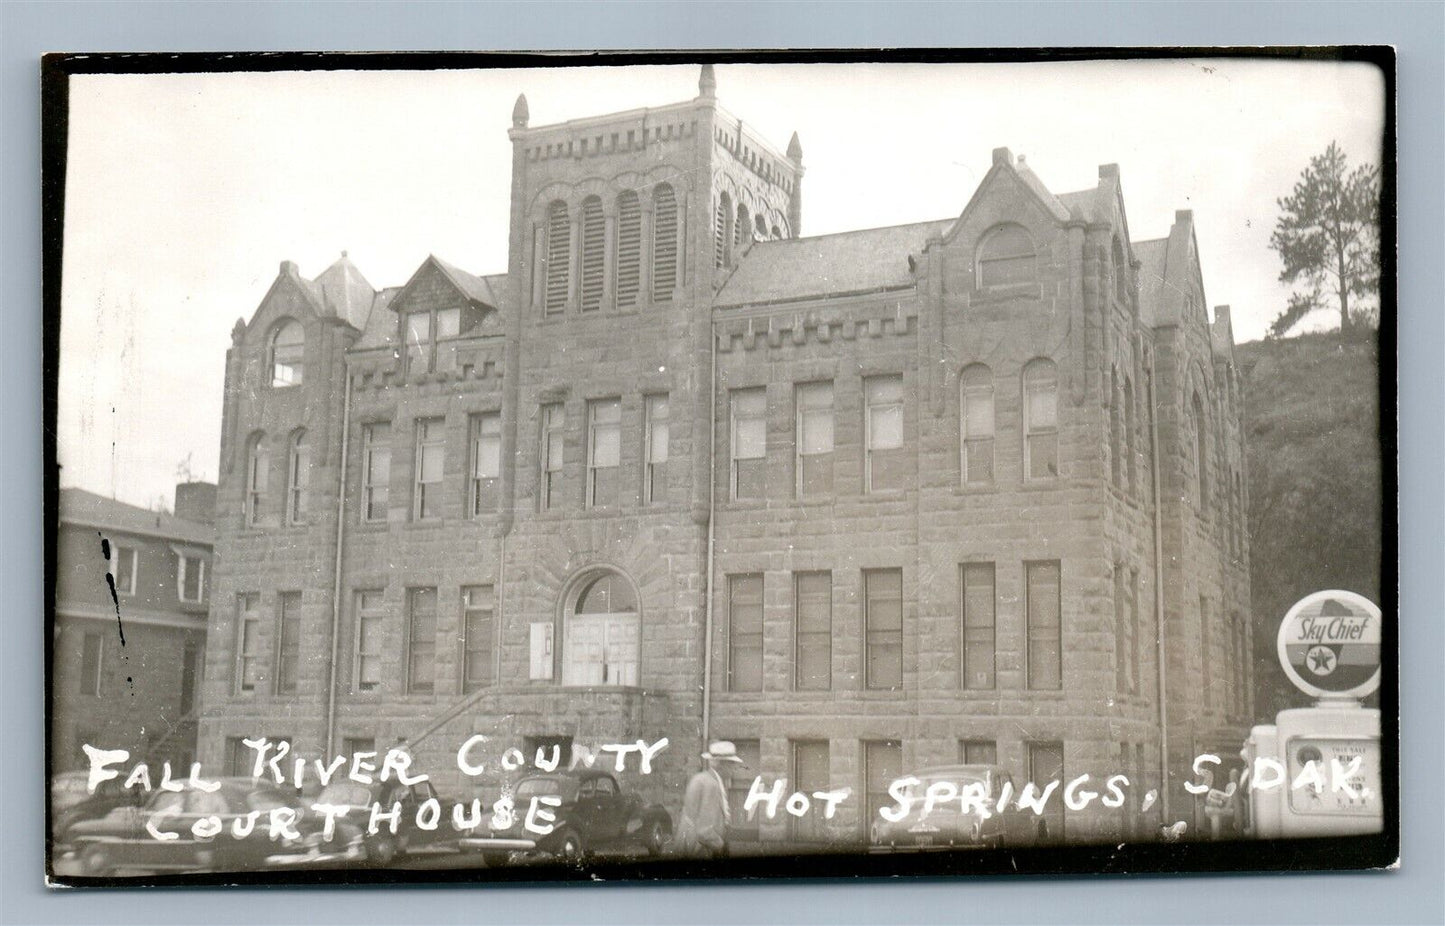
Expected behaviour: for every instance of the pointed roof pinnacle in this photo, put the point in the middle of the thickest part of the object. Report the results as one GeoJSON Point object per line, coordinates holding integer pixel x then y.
{"type": "Point", "coordinates": [795, 148]}
{"type": "Point", "coordinates": [520, 114]}
{"type": "Point", "coordinates": [707, 82]}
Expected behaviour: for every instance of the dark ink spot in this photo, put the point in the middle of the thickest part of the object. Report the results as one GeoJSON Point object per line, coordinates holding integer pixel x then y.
{"type": "Point", "coordinates": [110, 582]}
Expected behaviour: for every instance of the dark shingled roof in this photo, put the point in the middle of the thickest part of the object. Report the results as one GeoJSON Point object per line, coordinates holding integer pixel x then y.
{"type": "Point", "coordinates": [849, 262]}
{"type": "Point", "coordinates": [81, 507]}
{"type": "Point", "coordinates": [478, 289]}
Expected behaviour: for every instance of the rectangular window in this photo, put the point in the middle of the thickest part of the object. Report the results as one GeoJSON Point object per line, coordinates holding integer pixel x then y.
{"type": "Point", "coordinates": [190, 578]}
{"type": "Point", "coordinates": [979, 623]}
{"type": "Point", "coordinates": [1206, 657]}
{"type": "Point", "coordinates": [813, 631]}
{"type": "Point", "coordinates": [749, 442]}
{"type": "Point", "coordinates": [431, 445]}
{"type": "Point", "coordinates": [745, 633]}
{"type": "Point", "coordinates": [240, 759]}
{"type": "Point", "coordinates": [351, 745]}
{"type": "Point", "coordinates": [743, 826]}
{"type": "Point", "coordinates": [655, 449]}
{"type": "Point", "coordinates": [477, 617]}
{"type": "Point", "coordinates": [815, 440]}
{"type": "Point", "coordinates": [298, 475]}
{"type": "Point", "coordinates": [418, 342]}
{"type": "Point", "coordinates": [1124, 629]}
{"type": "Point", "coordinates": [1045, 629]}
{"type": "Point", "coordinates": [421, 640]}
{"type": "Point", "coordinates": [288, 641]}
{"type": "Point", "coordinates": [92, 661]}
{"type": "Point", "coordinates": [125, 569]}
{"type": "Point", "coordinates": [554, 422]}
{"type": "Point", "coordinates": [882, 765]}
{"type": "Point", "coordinates": [883, 434]}
{"type": "Point", "coordinates": [375, 470]}
{"type": "Point", "coordinates": [978, 425]}
{"type": "Point", "coordinates": [249, 672]}
{"type": "Point", "coordinates": [810, 773]}
{"type": "Point", "coordinates": [370, 611]}
{"type": "Point", "coordinates": [1046, 764]}
{"type": "Point", "coordinates": [883, 618]}
{"type": "Point", "coordinates": [604, 449]}
{"type": "Point", "coordinates": [978, 752]}
{"type": "Point", "coordinates": [1041, 421]}
{"type": "Point", "coordinates": [191, 668]}
{"type": "Point", "coordinates": [486, 469]}
{"type": "Point", "coordinates": [258, 474]}
{"type": "Point", "coordinates": [449, 323]}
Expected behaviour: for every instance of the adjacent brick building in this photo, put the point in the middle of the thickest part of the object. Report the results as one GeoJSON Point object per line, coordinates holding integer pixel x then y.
{"type": "Point", "coordinates": [130, 680]}
{"type": "Point", "coordinates": [934, 488]}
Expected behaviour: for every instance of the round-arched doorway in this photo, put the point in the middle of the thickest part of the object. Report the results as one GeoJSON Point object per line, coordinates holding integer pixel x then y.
{"type": "Point", "coordinates": [602, 631]}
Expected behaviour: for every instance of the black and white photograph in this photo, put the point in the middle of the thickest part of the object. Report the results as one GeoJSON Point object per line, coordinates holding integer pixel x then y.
{"type": "Point", "coordinates": [692, 466]}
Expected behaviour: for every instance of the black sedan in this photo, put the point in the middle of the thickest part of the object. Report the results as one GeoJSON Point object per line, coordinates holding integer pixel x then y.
{"type": "Point", "coordinates": [591, 813]}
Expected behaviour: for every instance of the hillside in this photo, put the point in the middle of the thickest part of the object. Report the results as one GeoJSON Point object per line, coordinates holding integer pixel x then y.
{"type": "Point", "coordinates": [1316, 500]}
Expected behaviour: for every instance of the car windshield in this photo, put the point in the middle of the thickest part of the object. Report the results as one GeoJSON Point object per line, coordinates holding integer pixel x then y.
{"type": "Point", "coordinates": [564, 788]}
{"type": "Point", "coordinates": [349, 793]}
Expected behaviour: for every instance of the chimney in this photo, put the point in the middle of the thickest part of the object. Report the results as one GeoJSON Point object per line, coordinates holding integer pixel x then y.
{"type": "Point", "coordinates": [288, 268]}
{"type": "Point", "coordinates": [196, 501]}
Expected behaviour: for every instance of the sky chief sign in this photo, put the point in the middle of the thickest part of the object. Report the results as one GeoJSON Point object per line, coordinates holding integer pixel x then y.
{"type": "Point", "coordinates": [1329, 645]}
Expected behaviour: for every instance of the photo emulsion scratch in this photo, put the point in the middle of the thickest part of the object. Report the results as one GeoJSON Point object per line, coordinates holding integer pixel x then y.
{"type": "Point", "coordinates": [514, 477]}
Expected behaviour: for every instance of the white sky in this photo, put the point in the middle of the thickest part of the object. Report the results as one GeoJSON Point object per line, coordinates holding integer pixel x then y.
{"type": "Point", "coordinates": [184, 192]}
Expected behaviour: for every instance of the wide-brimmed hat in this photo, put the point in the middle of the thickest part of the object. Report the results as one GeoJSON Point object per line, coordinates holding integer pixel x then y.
{"type": "Point", "coordinates": [723, 751]}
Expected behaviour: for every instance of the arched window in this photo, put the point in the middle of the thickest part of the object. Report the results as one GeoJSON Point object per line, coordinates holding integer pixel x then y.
{"type": "Point", "coordinates": [1131, 453]}
{"type": "Point", "coordinates": [258, 465]}
{"type": "Point", "coordinates": [664, 243]}
{"type": "Point", "coordinates": [594, 239]}
{"type": "Point", "coordinates": [1121, 273]}
{"type": "Point", "coordinates": [1005, 257]}
{"type": "Point", "coordinates": [298, 472]}
{"type": "Point", "coordinates": [1201, 450]}
{"type": "Point", "coordinates": [1041, 420]}
{"type": "Point", "coordinates": [559, 244]}
{"type": "Point", "coordinates": [723, 231]}
{"type": "Point", "coordinates": [777, 233]}
{"type": "Point", "coordinates": [1116, 431]}
{"type": "Point", "coordinates": [743, 227]}
{"type": "Point", "coordinates": [760, 227]}
{"type": "Point", "coordinates": [288, 344]}
{"type": "Point", "coordinates": [975, 391]}
{"type": "Point", "coordinates": [629, 249]}
{"type": "Point", "coordinates": [602, 633]}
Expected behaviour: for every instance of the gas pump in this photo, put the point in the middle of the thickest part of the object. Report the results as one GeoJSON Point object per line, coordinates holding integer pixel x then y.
{"type": "Point", "coordinates": [1316, 770]}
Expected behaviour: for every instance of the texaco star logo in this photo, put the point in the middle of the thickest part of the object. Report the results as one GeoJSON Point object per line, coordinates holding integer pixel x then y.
{"type": "Point", "coordinates": [1321, 660]}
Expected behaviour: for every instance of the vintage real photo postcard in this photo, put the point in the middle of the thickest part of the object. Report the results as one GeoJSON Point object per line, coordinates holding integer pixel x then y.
{"type": "Point", "coordinates": [476, 467]}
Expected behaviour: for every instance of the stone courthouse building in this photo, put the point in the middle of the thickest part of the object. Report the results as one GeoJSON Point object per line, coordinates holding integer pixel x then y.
{"type": "Point", "coordinates": [969, 489]}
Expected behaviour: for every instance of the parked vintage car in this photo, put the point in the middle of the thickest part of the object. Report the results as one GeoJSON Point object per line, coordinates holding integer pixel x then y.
{"type": "Point", "coordinates": [946, 825]}
{"type": "Point", "coordinates": [594, 814]}
{"type": "Point", "coordinates": [382, 847]}
{"type": "Point", "coordinates": [72, 802]}
{"type": "Point", "coordinates": [119, 843]}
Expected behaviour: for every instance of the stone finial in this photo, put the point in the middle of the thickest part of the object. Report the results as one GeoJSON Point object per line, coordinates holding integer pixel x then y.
{"type": "Point", "coordinates": [707, 82]}
{"type": "Point", "coordinates": [1183, 215]}
{"type": "Point", "coordinates": [795, 149]}
{"type": "Point", "coordinates": [238, 331]}
{"type": "Point", "coordinates": [520, 114]}
{"type": "Point", "coordinates": [1108, 170]}
{"type": "Point", "coordinates": [288, 268]}
{"type": "Point", "coordinates": [1002, 156]}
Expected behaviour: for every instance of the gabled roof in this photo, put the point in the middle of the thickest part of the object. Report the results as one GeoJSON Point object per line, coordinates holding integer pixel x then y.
{"type": "Point", "coordinates": [1169, 269]}
{"type": "Point", "coordinates": [478, 289]}
{"type": "Point", "coordinates": [77, 506]}
{"type": "Point", "coordinates": [791, 269]}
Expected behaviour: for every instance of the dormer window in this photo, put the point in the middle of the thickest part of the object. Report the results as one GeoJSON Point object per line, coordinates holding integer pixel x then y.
{"type": "Point", "coordinates": [288, 344]}
{"type": "Point", "coordinates": [1005, 257]}
{"type": "Point", "coordinates": [423, 331]}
